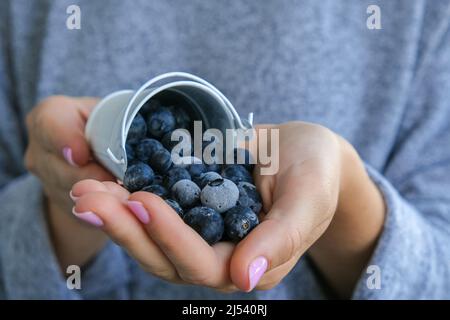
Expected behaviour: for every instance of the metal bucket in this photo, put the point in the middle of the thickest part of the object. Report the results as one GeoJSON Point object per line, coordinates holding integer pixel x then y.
{"type": "Point", "coordinates": [109, 122]}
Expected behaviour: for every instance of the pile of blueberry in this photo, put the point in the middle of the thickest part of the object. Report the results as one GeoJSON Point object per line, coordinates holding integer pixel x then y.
{"type": "Point", "coordinates": [220, 202]}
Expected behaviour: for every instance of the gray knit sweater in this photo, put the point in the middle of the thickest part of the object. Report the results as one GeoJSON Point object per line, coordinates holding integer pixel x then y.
{"type": "Point", "coordinates": [387, 91]}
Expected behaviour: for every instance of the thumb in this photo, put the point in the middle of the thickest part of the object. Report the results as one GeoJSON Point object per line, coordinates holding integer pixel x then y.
{"type": "Point", "coordinates": [271, 244]}
{"type": "Point", "coordinates": [293, 223]}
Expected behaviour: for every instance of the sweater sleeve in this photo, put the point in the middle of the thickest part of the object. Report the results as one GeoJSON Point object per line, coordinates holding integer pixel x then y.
{"type": "Point", "coordinates": [412, 254]}
{"type": "Point", "coordinates": [12, 132]}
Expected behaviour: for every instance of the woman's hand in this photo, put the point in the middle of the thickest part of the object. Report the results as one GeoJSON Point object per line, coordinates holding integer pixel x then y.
{"type": "Point", "coordinates": [155, 235]}
{"type": "Point", "coordinates": [59, 156]}
{"type": "Point", "coordinates": [322, 202]}
{"type": "Point", "coordinates": [320, 180]}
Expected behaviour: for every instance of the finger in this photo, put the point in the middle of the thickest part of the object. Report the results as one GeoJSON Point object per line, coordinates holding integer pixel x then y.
{"type": "Point", "coordinates": [265, 185]}
{"type": "Point", "coordinates": [111, 215]}
{"type": "Point", "coordinates": [195, 261]}
{"type": "Point", "coordinates": [298, 216]}
{"type": "Point", "coordinates": [87, 104]}
{"type": "Point", "coordinates": [273, 277]}
{"type": "Point", "coordinates": [117, 190]}
{"type": "Point", "coordinates": [90, 185]}
{"type": "Point", "coordinates": [64, 175]}
{"type": "Point", "coordinates": [224, 251]}
{"type": "Point", "coordinates": [59, 124]}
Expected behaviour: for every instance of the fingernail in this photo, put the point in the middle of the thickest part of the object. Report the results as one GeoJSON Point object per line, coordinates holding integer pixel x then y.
{"type": "Point", "coordinates": [74, 199]}
{"type": "Point", "coordinates": [88, 217]}
{"type": "Point", "coordinates": [256, 270]}
{"type": "Point", "coordinates": [139, 211]}
{"type": "Point", "coordinates": [67, 154]}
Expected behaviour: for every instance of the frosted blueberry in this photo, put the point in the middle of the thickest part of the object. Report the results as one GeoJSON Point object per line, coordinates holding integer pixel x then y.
{"type": "Point", "coordinates": [220, 195]}
{"type": "Point", "coordinates": [203, 179]}
{"type": "Point", "coordinates": [137, 177]}
{"type": "Point", "coordinates": [186, 193]}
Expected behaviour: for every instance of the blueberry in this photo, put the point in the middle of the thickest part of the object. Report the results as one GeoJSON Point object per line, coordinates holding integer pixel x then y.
{"type": "Point", "coordinates": [215, 167]}
{"type": "Point", "coordinates": [186, 193]}
{"type": "Point", "coordinates": [203, 179]}
{"type": "Point", "coordinates": [243, 157]}
{"type": "Point", "coordinates": [197, 169]}
{"type": "Point", "coordinates": [174, 175]}
{"type": "Point", "coordinates": [161, 161]}
{"type": "Point", "coordinates": [220, 195]}
{"type": "Point", "coordinates": [157, 189]}
{"type": "Point", "coordinates": [150, 106]}
{"type": "Point", "coordinates": [249, 197]}
{"type": "Point", "coordinates": [160, 122]}
{"type": "Point", "coordinates": [138, 129]}
{"type": "Point", "coordinates": [237, 173]}
{"type": "Point", "coordinates": [138, 176]}
{"type": "Point", "coordinates": [130, 153]}
{"type": "Point", "coordinates": [185, 162]}
{"type": "Point", "coordinates": [207, 222]}
{"type": "Point", "coordinates": [169, 144]}
{"type": "Point", "coordinates": [176, 207]}
{"type": "Point", "coordinates": [158, 179]}
{"type": "Point", "coordinates": [239, 221]}
{"type": "Point", "coordinates": [146, 148]}
{"type": "Point", "coordinates": [182, 118]}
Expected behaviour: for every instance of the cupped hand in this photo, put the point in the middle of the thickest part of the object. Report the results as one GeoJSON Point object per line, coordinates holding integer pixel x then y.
{"type": "Point", "coordinates": [154, 235]}
{"type": "Point", "coordinates": [300, 201]}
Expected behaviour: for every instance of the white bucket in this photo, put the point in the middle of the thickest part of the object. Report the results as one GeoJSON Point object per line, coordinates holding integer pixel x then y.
{"type": "Point", "coordinates": [109, 122]}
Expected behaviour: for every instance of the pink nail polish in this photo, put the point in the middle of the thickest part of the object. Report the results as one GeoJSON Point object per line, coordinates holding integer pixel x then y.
{"type": "Point", "coordinates": [139, 211]}
{"type": "Point", "coordinates": [256, 270]}
{"type": "Point", "coordinates": [74, 199]}
{"type": "Point", "coordinates": [67, 154]}
{"type": "Point", "coordinates": [88, 217]}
